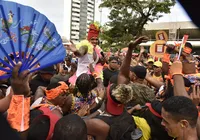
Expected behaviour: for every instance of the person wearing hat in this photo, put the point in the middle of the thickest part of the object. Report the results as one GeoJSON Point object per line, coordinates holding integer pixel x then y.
{"type": "Point", "coordinates": [137, 74]}
{"type": "Point", "coordinates": [89, 55]}
{"type": "Point", "coordinates": [186, 58]}
{"type": "Point", "coordinates": [42, 78]}
{"type": "Point", "coordinates": [150, 62]}
{"type": "Point", "coordinates": [157, 71]}
{"type": "Point", "coordinates": [113, 121]}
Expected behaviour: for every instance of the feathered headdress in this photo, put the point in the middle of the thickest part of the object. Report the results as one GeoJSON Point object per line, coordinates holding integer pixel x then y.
{"type": "Point", "coordinates": [94, 30]}
{"type": "Point", "coordinates": [85, 43]}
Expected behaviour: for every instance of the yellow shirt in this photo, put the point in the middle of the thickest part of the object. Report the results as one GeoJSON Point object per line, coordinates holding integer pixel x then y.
{"type": "Point", "coordinates": [144, 126]}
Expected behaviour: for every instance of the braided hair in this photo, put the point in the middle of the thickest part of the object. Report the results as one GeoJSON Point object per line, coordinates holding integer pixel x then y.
{"type": "Point", "coordinates": [85, 83]}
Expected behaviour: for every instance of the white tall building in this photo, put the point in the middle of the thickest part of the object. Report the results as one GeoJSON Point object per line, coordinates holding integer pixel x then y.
{"type": "Point", "coordinates": [82, 14]}
{"type": "Point", "coordinates": [71, 17]}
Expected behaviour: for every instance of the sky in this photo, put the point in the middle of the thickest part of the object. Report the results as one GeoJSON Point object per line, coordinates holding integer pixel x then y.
{"type": "Point", "coordinates": [56, 11]}
{"type": "Point", "coordinates": [177, 14]}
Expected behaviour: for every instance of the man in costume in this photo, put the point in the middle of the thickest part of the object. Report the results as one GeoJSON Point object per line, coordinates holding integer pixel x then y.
{"type": "Point", "coordinates": [90, 55]}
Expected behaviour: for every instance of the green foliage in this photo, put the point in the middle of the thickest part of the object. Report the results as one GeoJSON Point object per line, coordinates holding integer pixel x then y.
{"type": "Point", "coordinates": [128, 17]}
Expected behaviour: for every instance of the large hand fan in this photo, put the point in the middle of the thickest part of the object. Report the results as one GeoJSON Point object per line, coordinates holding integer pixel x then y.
{"type": "Point", "coordinates": [27, 36]}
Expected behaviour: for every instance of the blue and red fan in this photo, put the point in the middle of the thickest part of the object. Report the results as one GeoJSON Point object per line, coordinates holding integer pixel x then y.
{"type": "Point", "coordinates": [27, 36]}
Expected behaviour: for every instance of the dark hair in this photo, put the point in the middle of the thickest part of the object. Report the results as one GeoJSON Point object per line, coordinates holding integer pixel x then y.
{"type": "Point", "coordinates": [113, 58]}
{"type": "Point", "coordinates": [181, 108]}
{"type": "Point", "coordinates": [189, 45]}
{"type": "Point", "coordinates": [39, 126]}
{"type": "Point", "coordinates": [85, 83]}
{"type": "Point", "coordinates": [53, 85]}
{"type": "Point", "coordinates": [70, 127]}
{"type": "Point", "coordinates": [68, 58]}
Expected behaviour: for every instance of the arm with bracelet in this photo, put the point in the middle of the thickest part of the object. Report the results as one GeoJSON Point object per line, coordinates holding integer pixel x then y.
{"type": "Point", "coordinates": [176, 73]}
{"type": "Point", "coordinates": [19, 109]}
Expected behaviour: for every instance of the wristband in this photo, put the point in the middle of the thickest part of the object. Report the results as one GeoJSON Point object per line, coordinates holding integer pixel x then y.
{"type": "Point", "coordinates": [97, 99]}
{"type": "Point", "coordinates": [177, 74]}
{"type": "Point", "coordinates": [100, 112]}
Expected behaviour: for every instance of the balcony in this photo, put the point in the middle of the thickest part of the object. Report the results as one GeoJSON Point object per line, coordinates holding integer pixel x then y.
{"type": "Point", "coordinates": [75, 24]}
{"type": "Point", "coordinates": [90, 10]}
{"type": "Point", "coordinates": [75, 32]}
{"type": "Point", "coordinates": [77, 1]}
{"type": "Point", "coordinates": [76, 5]}
{"type": "Point", "coordinates": [75, 19]}
{"type": "Point", "coordinates": [91, 1]}
{"type": "Point", "coordinates": [76, 10]}
{"type": "Point", "coordinates": [90, 14]}
{"type": "Point", "coordinates": [90, 18]}
{"type": "Point", "coordinates": [75, 37]}
{"type": "Point", "coordinates": [75, 14]}
{"type": "Point", "coordinates": [74, 27]}
{"type": "Point", "coordinates": [91, 6]}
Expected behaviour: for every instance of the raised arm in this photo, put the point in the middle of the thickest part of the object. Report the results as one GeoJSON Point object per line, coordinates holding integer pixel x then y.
{"type": "Point", "coordinates": [123, 77]}
{"type": "Point", "coordinates": [78, 52]}
{"type": "Point", "coordinates": [154, 82]}
{"type": "Point", "coordinates": [179, 86]}
{"type": "Point", "coordinates": [142, 50]}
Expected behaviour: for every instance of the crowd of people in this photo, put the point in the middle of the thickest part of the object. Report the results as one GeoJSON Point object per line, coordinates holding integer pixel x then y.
{"type": "Point", "coordinates": [103, 95]}
{"type": "Point", "coordinates": [96, 95]}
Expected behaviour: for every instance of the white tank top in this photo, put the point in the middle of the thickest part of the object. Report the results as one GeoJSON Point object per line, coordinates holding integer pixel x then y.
{"type": "Point", "coordinates": [83, 64]}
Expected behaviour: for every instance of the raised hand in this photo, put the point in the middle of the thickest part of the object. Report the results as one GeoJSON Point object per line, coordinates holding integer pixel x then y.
{"type": "Point", "coordinates": [195, 95]}
{"type": "Point", "coordinates": [71, 46]}
{"type": "Point", "coordinates": [176, 68]}
{"type": "Point", "coordinates": [20, 81]}
{"type": "Point", "coordinates": [142, 50]}
{"type": "Point", "coordinates": [83, 111]}
{"type": "Point", "coordinates": [139, 40]}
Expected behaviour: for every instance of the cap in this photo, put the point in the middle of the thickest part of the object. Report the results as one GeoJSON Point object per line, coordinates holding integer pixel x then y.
{"type": "Point", "coordinates": [49, 70]}
{"type": "Point", "coordinates": [113, 107]}
{"type": "Point", "coordinates": [139, 71]}
{"type": "Point", "coordinates": [150, 60]}
{"type": "Point", "coordinates": [158, 64]}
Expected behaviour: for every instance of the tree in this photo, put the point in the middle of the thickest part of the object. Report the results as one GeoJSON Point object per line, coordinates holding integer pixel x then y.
{"type": "Point", "coordinates": [128, 17]}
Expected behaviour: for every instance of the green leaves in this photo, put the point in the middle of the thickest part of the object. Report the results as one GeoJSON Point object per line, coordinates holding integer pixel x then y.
{"type": "Point", "coordinates": [128, 17]}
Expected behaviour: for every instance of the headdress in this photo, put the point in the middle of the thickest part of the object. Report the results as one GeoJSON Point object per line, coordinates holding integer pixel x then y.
{"type": "Point", "coordinates": [94, 30]}
{"type": "Point", "coordinates": [53, 93]}
{"type": "Point", "coordinates": [85, 43]}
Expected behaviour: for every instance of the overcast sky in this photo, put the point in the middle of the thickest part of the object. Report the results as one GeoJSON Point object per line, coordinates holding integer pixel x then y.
{"type": "Point", "coordinates": [54, 10]}
{"type": "Point", "coordinates": [177, 14]}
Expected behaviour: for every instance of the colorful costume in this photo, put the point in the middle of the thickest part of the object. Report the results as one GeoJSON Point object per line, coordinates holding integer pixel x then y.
{"type": "Point", "coordinates": [79, 101]}
{"type": "Point", "coordinates": [88, 58]}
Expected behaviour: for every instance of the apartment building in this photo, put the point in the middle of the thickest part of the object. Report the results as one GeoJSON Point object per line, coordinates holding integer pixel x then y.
{"type": "Point", "coordinates": [82, 14]}
{"type": "Point", "coordinates": [71, 17]}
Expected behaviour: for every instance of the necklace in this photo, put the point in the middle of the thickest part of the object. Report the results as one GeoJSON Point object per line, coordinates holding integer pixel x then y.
{"type": "Point", "coordinates": [53, 107]}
